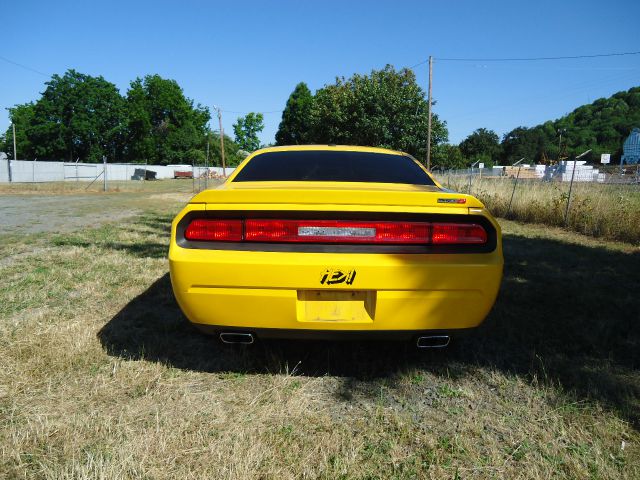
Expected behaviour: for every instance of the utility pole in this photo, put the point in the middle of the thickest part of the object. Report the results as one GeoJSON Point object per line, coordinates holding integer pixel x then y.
{"type": "Point", "coordinates": [224, 168]}
{"type": "Point", "coordinates": [560, 131]}
{"type": "Point", "coordinates": [429, 121]}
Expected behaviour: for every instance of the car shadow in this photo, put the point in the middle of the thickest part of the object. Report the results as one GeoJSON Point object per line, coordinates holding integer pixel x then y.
{"type": "Point", "coordinates": [567, 314]}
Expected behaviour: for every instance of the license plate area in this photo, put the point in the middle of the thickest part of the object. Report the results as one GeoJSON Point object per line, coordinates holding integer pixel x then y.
{"type": "Point", "coordinates": [347, 306]}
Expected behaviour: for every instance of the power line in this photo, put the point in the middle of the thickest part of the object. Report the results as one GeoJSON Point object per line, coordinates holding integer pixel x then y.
{"type": "Point", "coordinates": [442, 59]}
{"type": "Point", "coordinates": [245, 113]}
{"type": "Point", "coordinates": [26, 67]}
{"type": "Point", "coordinates": [23, 66]}
{"type": "Point", "coordinates": [527, 59]}
{"type": "Point", "coordinates": [542, 99]}
{"type": "Point", "coordinates": [535, 59]}
{"type": "Point", "coordinates": [419, 63]}
{"type": "Point", "coordinates": [543, 67]}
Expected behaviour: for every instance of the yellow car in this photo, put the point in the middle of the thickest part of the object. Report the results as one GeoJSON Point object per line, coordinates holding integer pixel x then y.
{"type": "Point", "coordinates": [324, 242]}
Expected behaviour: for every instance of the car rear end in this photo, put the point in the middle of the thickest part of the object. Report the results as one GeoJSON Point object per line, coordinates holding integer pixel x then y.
{"type": "Point", "coordinates": [318, 259]}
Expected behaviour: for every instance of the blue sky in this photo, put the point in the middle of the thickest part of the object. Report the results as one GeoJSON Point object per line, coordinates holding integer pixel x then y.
{"type": "Point", "coordinates": [248, 56]}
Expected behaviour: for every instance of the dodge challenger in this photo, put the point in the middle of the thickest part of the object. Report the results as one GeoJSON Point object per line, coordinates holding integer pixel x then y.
{"type": "Point", "coordinates": [329, 242]}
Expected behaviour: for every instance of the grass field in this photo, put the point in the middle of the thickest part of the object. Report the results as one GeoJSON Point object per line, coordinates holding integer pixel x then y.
{"type": "Point", "coordinates": [103, 378]}
{"type": "Point", "coordinates": [599, 210]}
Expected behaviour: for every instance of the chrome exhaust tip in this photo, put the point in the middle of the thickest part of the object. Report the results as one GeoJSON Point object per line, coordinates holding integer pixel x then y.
{"type": "Point", "coordinates": [236, 337]}
{"type": "Point", "coordinates": [433, 341]}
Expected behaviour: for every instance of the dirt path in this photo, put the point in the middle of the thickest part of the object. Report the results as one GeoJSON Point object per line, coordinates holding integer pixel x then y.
{"type": "Point", "coordinates": [50, 213]}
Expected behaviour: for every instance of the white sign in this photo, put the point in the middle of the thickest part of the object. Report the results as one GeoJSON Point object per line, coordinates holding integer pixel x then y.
{"type": "Point", "coordinates": [605, 158]}
{"type": "Point", "coordinates": [481, 165]}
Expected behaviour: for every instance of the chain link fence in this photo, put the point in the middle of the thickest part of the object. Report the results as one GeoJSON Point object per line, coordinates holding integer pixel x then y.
{"type": "Point", "coordinates": [36, 171]}
{"type": "Point", "coordinates": [602, 202]}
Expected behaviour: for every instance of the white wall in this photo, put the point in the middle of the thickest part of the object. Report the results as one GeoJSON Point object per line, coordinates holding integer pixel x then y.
{"type": "Point", "coordinates": [29, 171]}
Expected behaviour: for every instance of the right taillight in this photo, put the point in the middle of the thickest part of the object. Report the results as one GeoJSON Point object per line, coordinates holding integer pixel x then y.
{"type": "Point", "coordinates": [458, 234]}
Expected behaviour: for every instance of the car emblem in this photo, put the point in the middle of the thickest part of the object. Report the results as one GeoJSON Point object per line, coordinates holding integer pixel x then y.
{"type": "Point", "coordinates": [334, 276]}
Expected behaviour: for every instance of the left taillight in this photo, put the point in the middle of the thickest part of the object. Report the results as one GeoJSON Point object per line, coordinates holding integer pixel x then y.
{"type": "Point", "coordinates": [211, 230]}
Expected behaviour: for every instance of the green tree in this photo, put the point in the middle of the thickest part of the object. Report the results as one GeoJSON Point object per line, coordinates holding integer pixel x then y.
{"type": "Point", "coordinates": [232, 152]}
{"type": "Point", "coordinates": [246, 131]}
{"type": "Point", "coordinates": [77, 116]}
{"type": "Point", "coordinates": [601, 126]}
{"type": "Point", "coordinates": [163, 126]}
{"type": "Point", "coordinates": [21, 116]}
{"type": "Point", "coordinates": [384, 109]}
{"type": "Point", "coordinates": [523, 142]}
{"type": "Point", "coordinates": [296, 123]}
{"type": "Point", "coordinates": [448, 156]}
{"type": "Point", "coordinates": [482, 145]}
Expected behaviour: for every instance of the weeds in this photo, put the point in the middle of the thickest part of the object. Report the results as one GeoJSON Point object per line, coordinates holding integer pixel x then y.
{"type": "Point", "coordinates": [607, 211]}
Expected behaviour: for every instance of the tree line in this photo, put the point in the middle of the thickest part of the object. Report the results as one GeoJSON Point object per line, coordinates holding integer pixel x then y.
{"type": "Point", "coordinates": [387, 109]}
{"type": "Point", "coordinates": [601, 126]}
{"type": "Point", "coordinates": [83, 117]}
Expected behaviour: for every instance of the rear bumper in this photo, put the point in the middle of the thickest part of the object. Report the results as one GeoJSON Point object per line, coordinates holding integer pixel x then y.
{"type": "Point", "coordinates": [279, 292]}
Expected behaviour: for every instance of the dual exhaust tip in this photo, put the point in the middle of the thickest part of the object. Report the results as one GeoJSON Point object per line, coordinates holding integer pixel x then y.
{"type": "Point", "coordinates": [433, 341]}
{"type": "Point", "coordinates": [237, 337]}
{"type": "Point", "coordinates": [430, 341]}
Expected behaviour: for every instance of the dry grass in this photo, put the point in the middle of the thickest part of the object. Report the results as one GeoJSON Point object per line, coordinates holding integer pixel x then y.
{"type": "Point", "coordinates": [102, 377]}
{"type": "Point", "coordinates": [97, 187]}
{"type": "Point", "coordinates": [607, 211]}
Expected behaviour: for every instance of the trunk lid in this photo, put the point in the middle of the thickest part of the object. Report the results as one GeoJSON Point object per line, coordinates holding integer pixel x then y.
{"type": "Point", "coordinates": [337, 193]}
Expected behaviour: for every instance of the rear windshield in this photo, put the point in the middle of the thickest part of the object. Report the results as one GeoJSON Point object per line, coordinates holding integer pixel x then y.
{"type": "Point", "coordinates": [330, 166]}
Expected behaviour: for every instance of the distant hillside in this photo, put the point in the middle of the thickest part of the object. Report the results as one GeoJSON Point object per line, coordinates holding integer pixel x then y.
{"type": "Point", "coordinates": [601, 126]}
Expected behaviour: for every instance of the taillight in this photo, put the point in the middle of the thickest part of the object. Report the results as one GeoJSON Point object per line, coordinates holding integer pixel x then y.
{"type": "Point", "coordinates": [458, 233]}
{"type": "Point", "coordinates": [204, 229]}
{"type": "Point", "coordinates": [336, 231]}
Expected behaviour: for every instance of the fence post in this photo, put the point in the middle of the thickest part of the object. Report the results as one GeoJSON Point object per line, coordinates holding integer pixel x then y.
{"type": "Point", "coordinates": [573, 173]}
{"type": "Point", "coordinates": [104, 171]}
{"type": "Point", "coordinates": [515, 184]}
{"type": "Point", "coordinates": [471, 174]}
